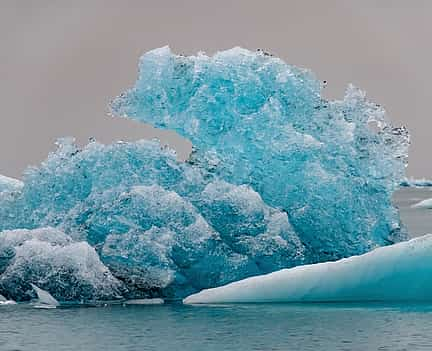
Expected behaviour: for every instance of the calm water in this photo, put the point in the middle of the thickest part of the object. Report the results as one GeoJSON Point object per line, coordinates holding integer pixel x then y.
{"type": "Point", "coordinates": [418, 220]}
{"type": "Point", "coordinates": [315, 327]}
{"type": "Point", "coordinates": [237, 327]}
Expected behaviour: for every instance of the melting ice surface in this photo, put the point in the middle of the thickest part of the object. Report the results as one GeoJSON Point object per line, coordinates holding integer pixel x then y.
{"type": "Point", "coordinates": [399, 272]}
{"type": "Point", "coordinates": [279, 177]}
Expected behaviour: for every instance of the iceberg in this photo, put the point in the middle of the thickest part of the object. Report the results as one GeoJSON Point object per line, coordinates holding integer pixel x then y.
{"type": "Point", "coordinates": [400, 272]}
{"type": "Point", "coordinates": [278, 177]}
{"type": "Point", "coordinates": [427, 203]}
{"type": "Point", "coordinates": [8, 184]}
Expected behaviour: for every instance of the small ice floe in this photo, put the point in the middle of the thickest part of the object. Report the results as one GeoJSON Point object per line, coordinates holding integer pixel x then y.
{"type": "Point", "coordinates": [4, 301]}
{"type": "Point", "coordinates": [423, 204]}
{"type": "Point", "coordinates": [45, 299]}
{"type": "Point", "coordinates": [144, 302]}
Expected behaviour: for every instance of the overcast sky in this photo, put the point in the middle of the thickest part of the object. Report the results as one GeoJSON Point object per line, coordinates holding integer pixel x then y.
{"type": "Point", "coordinates": [62, 61]}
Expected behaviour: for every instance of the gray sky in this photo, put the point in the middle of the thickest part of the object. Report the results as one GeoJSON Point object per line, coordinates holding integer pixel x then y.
{"type": "Point", "coordinates": [62, 61]}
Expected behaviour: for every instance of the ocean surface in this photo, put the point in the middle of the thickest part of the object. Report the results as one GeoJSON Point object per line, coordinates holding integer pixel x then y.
{"type": "Point", "coordinates": [297, 327]}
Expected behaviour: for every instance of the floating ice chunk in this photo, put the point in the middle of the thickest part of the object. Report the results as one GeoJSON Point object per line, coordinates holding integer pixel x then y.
{"type": "Point", "coordinates": [4, 301]}
{"type": "Point", "coordinates": [418, 183]}
{"type": "Point", "coordinates": [7, 302]}
{"type": "Point", "coordinates": [45, 299]}
{"type": "Point", "coordinates": [427, 203]}
{"type": "Point", "coordinates": [255, 120]}
{"type": "Point", "coordinates": [399, 272]}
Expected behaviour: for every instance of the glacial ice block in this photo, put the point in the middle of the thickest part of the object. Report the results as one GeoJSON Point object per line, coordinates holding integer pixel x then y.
{"type": "Point", "coordinates": [400, 272]}
{"type": "Point", "coordinates": [253, 119]}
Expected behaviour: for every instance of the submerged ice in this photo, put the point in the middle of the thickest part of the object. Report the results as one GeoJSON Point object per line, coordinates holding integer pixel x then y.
{"type": "Point", "coordinates": [278, 177]}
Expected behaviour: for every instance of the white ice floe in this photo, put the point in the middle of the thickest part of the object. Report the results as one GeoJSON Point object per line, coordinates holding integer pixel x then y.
{"type": "Point", "coordinates": [423, 204]}
{"type": "Point", "coordinates": [400, 272]}
{"type": "Point", "coordinates": [45, 299]}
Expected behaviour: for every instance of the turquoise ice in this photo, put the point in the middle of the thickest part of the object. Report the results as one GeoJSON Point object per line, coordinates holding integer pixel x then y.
{"type": "Point", "coordinates": [253, 119]}
{"type": "Point", "coordinates": [279, 177]}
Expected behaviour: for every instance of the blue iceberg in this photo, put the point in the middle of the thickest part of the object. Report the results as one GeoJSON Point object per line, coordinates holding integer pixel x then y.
{"type": "Point", "coordinates": [278, 177]}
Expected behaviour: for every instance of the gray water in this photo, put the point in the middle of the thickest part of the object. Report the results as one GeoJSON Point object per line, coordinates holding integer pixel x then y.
{"type": "Point", "coordinates": [417, 220]}
{"type": "Point", "coordinates": [236, 327]}
{"type": "Point", "coordinates": [331, 327]}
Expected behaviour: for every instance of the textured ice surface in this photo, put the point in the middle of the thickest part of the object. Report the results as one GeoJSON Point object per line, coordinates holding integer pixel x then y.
{"type": "Point", "coordinates": [68, 270]}
{"type": "Point", "coordinates": [253, 119]}
{"type": "Point", "coordinates": [4, 301]}
{"type": "Point", "coordinates": [278, 177]}
{"type": "Point", "coordinates": [399, 272]}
